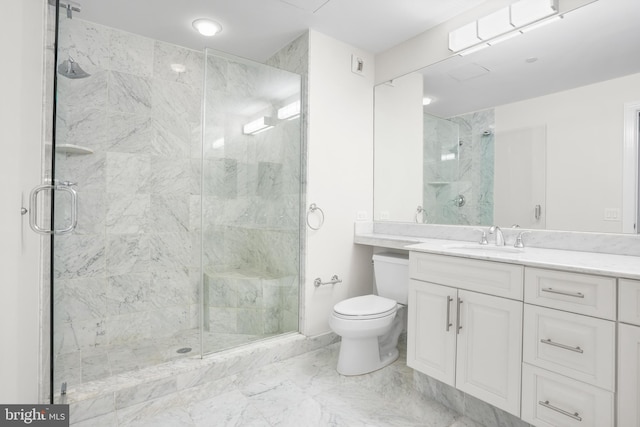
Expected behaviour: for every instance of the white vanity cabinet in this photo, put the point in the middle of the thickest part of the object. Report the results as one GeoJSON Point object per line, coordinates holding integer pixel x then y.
{"type": "Point", "coordinates": [460, 332]}
{"type": "Point", "coordinates": [629, 353]}
{"type": "Point", "coordinates": [569, 346]}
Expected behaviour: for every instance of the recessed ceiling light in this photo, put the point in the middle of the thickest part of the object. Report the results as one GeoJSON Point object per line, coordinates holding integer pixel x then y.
{"type": "Point", "coordinates": [207, 27]}
{"type": "Point", "coordinates": [178, 68]}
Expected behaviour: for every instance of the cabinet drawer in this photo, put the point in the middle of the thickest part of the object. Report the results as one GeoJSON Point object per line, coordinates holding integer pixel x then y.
{"type": "Point", "coordinates": [551, 400]}
{"type": "Point", "coordinates": [487, 277]}
{"type": "Point", "coordinates": [629, 301]}
{"type": "Point", "coordinates": [575, 292]}
{"type": "Point", "coordinates": [576, 346]}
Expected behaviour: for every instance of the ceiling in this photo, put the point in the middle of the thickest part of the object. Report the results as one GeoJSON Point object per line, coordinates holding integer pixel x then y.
{"type": "Point", "coordinates": [256, 29]}
{"type": "Point", "coordinates": [596, 42]}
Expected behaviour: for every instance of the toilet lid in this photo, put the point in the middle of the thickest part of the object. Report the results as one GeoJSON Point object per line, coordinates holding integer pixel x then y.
{"type": "Point", "coordinates": [365, 306]}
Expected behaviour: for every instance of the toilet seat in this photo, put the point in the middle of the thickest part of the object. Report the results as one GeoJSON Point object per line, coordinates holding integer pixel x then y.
{"type": "Point", "coordinates": [365, 307]}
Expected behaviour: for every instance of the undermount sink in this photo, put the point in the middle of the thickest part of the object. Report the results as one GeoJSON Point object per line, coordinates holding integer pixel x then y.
{"type": "Point", "coordinates": [484, 248]}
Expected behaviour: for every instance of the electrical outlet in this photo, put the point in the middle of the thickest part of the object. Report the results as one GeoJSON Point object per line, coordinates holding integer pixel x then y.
{"type": "Point", "coordinates": [357, 65]}
{"type": "Point", "coordinates": [384, 215]}
{"type": "Point", "coordinates": [361, 216]}
{"type": "Point", "coordinates": [611, 214]}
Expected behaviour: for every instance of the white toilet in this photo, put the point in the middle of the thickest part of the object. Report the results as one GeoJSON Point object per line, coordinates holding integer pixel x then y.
{"type": "Point", "coordinates": [371, 324]}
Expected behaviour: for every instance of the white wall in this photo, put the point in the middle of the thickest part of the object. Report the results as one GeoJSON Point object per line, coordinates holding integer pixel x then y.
{"type": "Point", "coordinates": [398, 146]}
{"type": "Point", "coordinates": [339, 175]}
{"type": "Point", "coordinates": [21, 41]}
{"type": "Point", "coordinates": [584, 149]}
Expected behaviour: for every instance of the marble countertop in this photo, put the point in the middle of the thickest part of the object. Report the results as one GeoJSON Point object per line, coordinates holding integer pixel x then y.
{"type": "Point", "coordinates": [624, 266]}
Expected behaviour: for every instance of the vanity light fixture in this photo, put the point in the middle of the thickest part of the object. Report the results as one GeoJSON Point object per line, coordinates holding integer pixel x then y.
{"type": "Point", "coordinates": [501, 25]}
{"type": "Point", "coordinates": [206, 27]}
{"type": "Point", "coordinates": [289, 111]}
{"type": "Point", "coordinates": [259, 125]}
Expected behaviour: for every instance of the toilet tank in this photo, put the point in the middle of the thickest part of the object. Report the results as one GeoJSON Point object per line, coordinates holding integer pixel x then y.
{"type": "Point", "coordinates": [391, 273]}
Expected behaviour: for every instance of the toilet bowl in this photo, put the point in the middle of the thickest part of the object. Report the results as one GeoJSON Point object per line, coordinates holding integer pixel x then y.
{"type": "Point", "coordinates": [370, 325]}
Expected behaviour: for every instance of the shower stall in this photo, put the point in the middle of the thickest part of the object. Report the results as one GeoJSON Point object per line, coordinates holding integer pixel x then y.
{"type": "Point", "coordinates": [187, 170]}
{"type": "Point", "coordinates": [458, 169]}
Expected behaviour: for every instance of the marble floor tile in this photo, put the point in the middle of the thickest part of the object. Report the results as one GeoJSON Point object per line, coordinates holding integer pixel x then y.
{"type": "Point", "coordinates": [300, 391]}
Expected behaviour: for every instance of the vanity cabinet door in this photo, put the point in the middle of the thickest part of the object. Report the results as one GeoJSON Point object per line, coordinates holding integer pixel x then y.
{"type": "Point", "coordinates": [431, 330]}
{"type": "Point", "coordinates": [628, 374]}
{"type": "Point", "coordinates": [489, 354]}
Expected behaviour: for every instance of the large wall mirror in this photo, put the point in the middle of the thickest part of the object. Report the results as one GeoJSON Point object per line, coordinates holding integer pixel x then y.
{"type": "Point", "coordinates": [539, 131]}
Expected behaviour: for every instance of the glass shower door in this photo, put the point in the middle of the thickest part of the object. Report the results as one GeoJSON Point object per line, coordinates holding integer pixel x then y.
{"type": "Point", "coordinates": [250, 201]}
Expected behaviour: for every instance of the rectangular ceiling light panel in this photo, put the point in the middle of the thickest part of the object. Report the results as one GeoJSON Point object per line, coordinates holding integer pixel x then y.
{"type": "Point", "coordinates": [526, 12]}
{"type": "Point", "coordinates": [464, 37]}
{"type": "Point", "coordinates": [501, 23]}
{"type": "Point", "coordinates": [495, 24]}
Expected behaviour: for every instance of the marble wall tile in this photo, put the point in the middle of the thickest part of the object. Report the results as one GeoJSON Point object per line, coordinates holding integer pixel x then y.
{"type": "Point", "coordinates": [79, 335]}
{"type": "Point", "coordinates": [169, 176]}
{"type": "Point", "coordinates": [221, 293]}
{"type": "Point", "coordinates": [77, 95]}
{"type": "Point", "coordinates": [79, 256]}
{"type": "Point", "coordinates": [169, 213]}
{"type": "Point", "coordinates": [90, 212]}
{"type": "Point", "coordinates": [129, 93]}
{"type": "Point", "coordinates": [269, 182]}
{"type": "Point", "coordinates": [123, 360]}
{"type": "Point", "coordinates": [223, 319]}
{"type": "Point", "coordinates": [89, 172]}
{"type": "Point", "coordinates": [80, 299]}
{"type": "Point", "coordinates": [250, 321]}
{"type": "Point", "coordinates": [95, 367]}
{"type": "Point", "coordinates": [220, 178]}
{"type": "Point", "coordinates": [129, 133]}
{"type": "Point", "coordinates": [130, 53]}
{"type": "Point", "coordinates": [171, 250]}
{"type": "Point", "coordinates": [173, 287]}
{"type": "Point", "coordinates": [165, 55]}
{"type": "Point", "coordinates": [127, 213]}
{"type": "Point", "coordinates": [128, 173]}
{"type": "Point", "coordinates": [87, 43]}
{"type": "Point", "coordinates": [87, 127]}
{"type": "Point", "coordinates": [129, 293]}
{"type": "Point", "coordinates": [128, 253]}
{"type": "Point", "coordinates": [170, 142]}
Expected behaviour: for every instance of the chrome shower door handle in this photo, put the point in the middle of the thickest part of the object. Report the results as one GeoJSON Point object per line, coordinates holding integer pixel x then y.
{"type": "Point", "coordinates": [33, 208]}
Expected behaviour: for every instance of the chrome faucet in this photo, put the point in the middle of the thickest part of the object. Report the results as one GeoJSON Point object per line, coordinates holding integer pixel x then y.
{"type": "Point", "coordinates": [499, 236]}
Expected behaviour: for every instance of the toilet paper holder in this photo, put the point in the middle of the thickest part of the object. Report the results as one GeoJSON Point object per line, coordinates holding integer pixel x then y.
{"type": "Point", "coordinates": [334, 279]}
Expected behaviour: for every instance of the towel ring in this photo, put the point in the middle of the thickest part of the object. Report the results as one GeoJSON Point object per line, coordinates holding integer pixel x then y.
{"type": "Point", "coordinates": [312, 208]}
{"type": "Point", "coordinates": [421, 215]}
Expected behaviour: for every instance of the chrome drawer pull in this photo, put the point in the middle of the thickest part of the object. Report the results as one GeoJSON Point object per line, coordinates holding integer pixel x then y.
{"type": "Point", "coordinates": [566, 347]}
{"type": "Point", "coordinates": [458, 316]}
{"type": "Point", "coordinates": [546, 404]}
{"type": "Point", "coordinates": [569, 294]}
{"type": "Point", "coordinates": [449, 324]}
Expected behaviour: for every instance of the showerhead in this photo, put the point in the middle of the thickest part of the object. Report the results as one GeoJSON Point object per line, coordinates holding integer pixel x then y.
{"type": "Point", "coordinates": [70, 69]}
